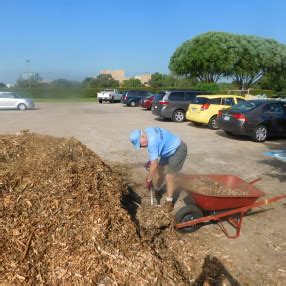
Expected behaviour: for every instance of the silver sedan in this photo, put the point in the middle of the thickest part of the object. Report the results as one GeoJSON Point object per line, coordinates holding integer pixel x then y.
{"type": "Point", "coordinates": [12, 100]}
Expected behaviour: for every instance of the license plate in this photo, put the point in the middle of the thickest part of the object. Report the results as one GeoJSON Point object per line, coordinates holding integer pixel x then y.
{"type": "Point", "coordinates": [226, 118]}
{"type": "Point", "coordinates": [194, 109]}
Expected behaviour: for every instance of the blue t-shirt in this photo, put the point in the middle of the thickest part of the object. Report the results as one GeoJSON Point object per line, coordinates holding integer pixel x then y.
{"type": "Point", "coordinates": [161, 142]}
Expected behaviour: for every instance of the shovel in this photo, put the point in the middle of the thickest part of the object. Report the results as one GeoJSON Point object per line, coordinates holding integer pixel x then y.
{"type": "Point", "coordinates": [152, 195]}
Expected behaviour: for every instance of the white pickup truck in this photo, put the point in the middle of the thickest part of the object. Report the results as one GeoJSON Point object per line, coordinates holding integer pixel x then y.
{"type": "Point", "coordinates": [110, 95]}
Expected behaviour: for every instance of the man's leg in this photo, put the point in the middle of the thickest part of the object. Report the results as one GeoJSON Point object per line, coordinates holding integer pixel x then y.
{"type": "Point", "coordinates": [170, 179]}
{"type": "Point", "coordinates": [176, 163]}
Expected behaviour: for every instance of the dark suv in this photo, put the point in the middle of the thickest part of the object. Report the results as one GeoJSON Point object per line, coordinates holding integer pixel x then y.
{"type": "Point", "coordinates": [133, 97]}
{"type": "Point", "coordinates": [173, 104]}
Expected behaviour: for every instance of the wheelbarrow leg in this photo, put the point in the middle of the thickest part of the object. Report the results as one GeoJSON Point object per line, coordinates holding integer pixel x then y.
{"type": "Point", "coordinates": [235, 223]}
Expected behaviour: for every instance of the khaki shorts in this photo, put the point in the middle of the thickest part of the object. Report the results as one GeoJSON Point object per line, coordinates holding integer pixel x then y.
{"type": "Point", "coordinates": [176, 161]}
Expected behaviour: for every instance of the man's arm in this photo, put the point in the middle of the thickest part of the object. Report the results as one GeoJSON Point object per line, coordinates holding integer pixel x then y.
{"type": "Point", "coordinates": [152, 171]}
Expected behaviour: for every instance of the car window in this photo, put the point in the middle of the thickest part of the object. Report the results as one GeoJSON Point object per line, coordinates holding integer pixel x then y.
{"type": "Point", "coordinates": [215, 101]}
{"type": "Point", "coordinates": [227, 101]}
{"type": "Point", "coordinates": [142, 93]}
{"type": "Point", "coordinates": [190, 96]}
{"type": "Point", "coordinates": [7, 95]}
{"type": "Point", "coordinates": [132, 93]}
{"type": "Point", "coordinates": [240, 100]}
{"type": "Point", "coordinates": [177, 95]}
{"type": "Point", "coordinates": [159, 96]}
{"type": "Point", "coordinates": [245, 105]}
{"type": "Point", "coordinates": [273, 108]}
{"type": "Point", "coordinates": [201, 100]}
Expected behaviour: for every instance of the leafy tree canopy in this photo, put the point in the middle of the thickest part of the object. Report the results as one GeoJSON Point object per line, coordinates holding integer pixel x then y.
{"type": "Point", "coordinates": [103, 81]}
{"type": "Point", "coordinates": [207, 57]}
{"type": "Point", "coordinates": [61, 82]}
{"type": "Point", "coordinates": [161, 80]}
{"type": "Point", "coordinates": [132, 83]}
{"type": "Point", "coordinates": [214, 55]}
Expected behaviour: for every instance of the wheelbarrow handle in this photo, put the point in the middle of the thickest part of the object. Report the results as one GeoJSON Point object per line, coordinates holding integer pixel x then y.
{"type": "Point", "coordinates": [255, 181]}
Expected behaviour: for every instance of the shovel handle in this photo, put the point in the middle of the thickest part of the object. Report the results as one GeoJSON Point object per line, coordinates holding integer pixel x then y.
{"type": "Point", "coordinates": [152, 196]}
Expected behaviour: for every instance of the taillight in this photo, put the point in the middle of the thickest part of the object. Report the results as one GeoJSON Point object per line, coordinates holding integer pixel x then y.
{"type": "Point", "coordinates": [205, 106]}
{"type": "Point", "coordinates": [219, 114]}
{"type": "Point", "coordinates": [239, 117]}
{"type": "Point", "coordinates": [163, 102]}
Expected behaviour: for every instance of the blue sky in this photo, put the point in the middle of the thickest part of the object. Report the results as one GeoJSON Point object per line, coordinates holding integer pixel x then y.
{"type": "Point", "coordinates": [75, 39]}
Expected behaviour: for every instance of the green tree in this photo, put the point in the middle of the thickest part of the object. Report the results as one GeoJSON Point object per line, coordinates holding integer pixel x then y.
{"type": "Point", "coordinates": [132, 83]}
{"type": "Point", "coordinates": [87, 81]}
{"type": "Point", "coordinates": [208, 57]}
{"type": "Point", "coordinates": [61, 82]}
{"type": "Point", "coordinates": [255, 58]}
{"type": "Point", "coordinates": [2, 85]}
{"type": "Point", "coordinates": [276, 82]}
{"type": "Point", "coordinates": [213, 55]}
{"type": "Point", "coordinates": [104, 80]}
{"type": "Point", "coordinates": [185, 82]}
{"type": "Point", "coordinates": [210, 87]}
{"type": "Point", "coordinates": [161, 80]}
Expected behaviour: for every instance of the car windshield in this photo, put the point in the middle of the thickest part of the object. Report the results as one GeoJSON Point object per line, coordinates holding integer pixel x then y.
{"type": "Point", "coordinates": [246, 105]}
{"type": "Point", "coordinates": [200, 100]}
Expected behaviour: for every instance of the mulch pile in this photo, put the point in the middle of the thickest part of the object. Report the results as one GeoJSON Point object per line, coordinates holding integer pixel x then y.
{"type": "Point", "coordinates": [63, 220]}
{"type": "Point", "coordinates": [208, 187]}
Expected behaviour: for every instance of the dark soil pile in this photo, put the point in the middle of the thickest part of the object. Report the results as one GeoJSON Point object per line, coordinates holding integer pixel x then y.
{"type": "Point", "coordinates": [208, 187]}
{"type": "Point", "coordinates": [62, 220]}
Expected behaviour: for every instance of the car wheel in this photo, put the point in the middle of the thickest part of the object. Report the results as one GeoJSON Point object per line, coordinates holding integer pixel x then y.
{"type": "Point", "coordinates": [178, 116]}
{"type": "Point", "coordinates": [22, 106]}
{"type": "Point", "coordinates": [212, 123]}
{"type": "Point", "coordinates": [111, 100]}
{"type": "Point", "coordinates": [260, 133]}
{"type": "Point", "coordinates": [132, 103]}
{"type": "Point", "coordinates": [188, 213]}
{"type": "Point", "coordinates": [100, 100]}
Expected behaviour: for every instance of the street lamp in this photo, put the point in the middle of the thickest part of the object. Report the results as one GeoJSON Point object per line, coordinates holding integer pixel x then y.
{"type": "Point", "coordinates": [28, 70]}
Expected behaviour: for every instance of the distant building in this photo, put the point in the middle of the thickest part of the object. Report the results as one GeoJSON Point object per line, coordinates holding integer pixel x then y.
{"type": "Point", "coordinates": [116, 74]}
{"type": "Point", "coordinates": [120, 76]}
{"type": "Point", "coordinates": [144, 78]}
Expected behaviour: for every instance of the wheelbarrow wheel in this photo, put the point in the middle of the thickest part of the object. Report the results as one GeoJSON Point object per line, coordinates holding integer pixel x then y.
{"type": "Point", "coordinates": [188, 213]}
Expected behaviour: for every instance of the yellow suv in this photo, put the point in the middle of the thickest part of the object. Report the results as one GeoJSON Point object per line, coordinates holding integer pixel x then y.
{"type": "Point", "coordinates": [205, 108]}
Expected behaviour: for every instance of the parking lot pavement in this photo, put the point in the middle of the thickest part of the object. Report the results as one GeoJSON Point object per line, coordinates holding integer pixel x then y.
{"type": "Point", "coordinates": [105, 129]}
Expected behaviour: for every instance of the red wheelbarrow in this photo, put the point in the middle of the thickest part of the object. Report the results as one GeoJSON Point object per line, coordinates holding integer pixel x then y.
{"type": "Point", "coordinates": [209, 208]}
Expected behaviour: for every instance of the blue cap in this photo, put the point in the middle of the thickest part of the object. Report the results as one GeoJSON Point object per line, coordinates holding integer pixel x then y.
{"type": "Point", "coordinates": [135, 138]}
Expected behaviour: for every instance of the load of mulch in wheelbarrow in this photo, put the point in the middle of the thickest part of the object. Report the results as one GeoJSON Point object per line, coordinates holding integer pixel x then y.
{"type": "Point", "coordinates": [62, 220]}
{"type": "Point", "coordinates": [209, 187]}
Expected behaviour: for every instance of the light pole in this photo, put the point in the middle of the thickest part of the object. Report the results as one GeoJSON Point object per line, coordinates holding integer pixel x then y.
{"type": "Point", "coordinates": [28, 70]}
